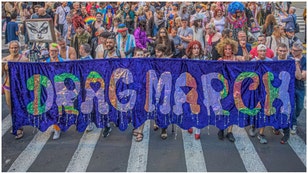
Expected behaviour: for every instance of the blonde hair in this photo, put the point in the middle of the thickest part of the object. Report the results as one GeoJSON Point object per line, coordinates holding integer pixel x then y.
{"type": "Point", "coordinates": [212, 27]}
{"type": "Point", "coordinates": [221, 46]}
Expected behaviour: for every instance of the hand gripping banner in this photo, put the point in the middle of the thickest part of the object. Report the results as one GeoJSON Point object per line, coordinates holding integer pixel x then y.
{"type": "Point", "coordinates": [170, 91]}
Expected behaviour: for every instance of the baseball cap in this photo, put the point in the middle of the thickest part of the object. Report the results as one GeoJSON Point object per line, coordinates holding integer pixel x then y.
{"type": "Point", "coordinates": [290, 29]}
{"type": "Point", "coordinates": [261, 47]}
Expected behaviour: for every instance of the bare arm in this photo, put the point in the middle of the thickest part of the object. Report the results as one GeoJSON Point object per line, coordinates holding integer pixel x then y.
{"type": "Point", "coordinates": [187, 38]}
{"type": "Point", "coordinates": [303, 75]}
{"type": "Point", "coordinates": [4, 67]}
{"type": "Point", "coordinates": [298, 74]}
{"type": "Point", "coordinates": [241, 58]}
{"type": "Point", "coordinates": [72, 55]}
{"type": "Point", "coordinates": [99, 54]}
{"type": "Point", "coordinates": [56, 19]}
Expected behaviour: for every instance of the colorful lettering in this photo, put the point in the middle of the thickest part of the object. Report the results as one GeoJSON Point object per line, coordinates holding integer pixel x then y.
{"type": "Point", "coordinates": [237, 93]}
{"type": "Point", "coordinates": [165, 81]}
{"type": "Point", "coordinates": [127, 78]}
{"type": "Point", "coordinates": [34, 83]}
{"type": "Point", "coordinates": [87, 106]}
{"type": "Point", "coordinates": [186, 80]}
{"type": "Point", "coordinates": [65, 96]}
{"type": "Point", "coordinates": [211, 96]}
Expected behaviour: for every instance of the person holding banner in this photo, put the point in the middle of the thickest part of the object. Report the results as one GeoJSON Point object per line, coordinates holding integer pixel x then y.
{"type": "Point", "coordinates": [227, 48]}
{"type": "Point", "coordinates": [54, 54]}
{"type": "Point", "coordinates": [261, 57]}
{"type": "Point", "coordinates": [282, 52]}
{"type": "Point", "coordinates": [15, 56]}
{"type": "Point", "coordinates": [194, 51]}
{"type": "Point", "coordinates": [160, 52]}
{"type": "Point", "coordinates": [300, 82]}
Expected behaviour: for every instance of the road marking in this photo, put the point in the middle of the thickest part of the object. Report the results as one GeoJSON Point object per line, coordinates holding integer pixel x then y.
{"type": "Point", "coordinates": [249, 155]}
{"type": "Point", "coordinates": [193, 153]}
{"type": "Point", "coordinates": [299, 147]}
{"type": "Point", "coordinates": [84, 151]}
{"type": "Point", "coordinates": [6, 124]}
{"type": "Point", "coordinates": [28, 156]}
{"type": "Point", "coordinates": [138, 155]}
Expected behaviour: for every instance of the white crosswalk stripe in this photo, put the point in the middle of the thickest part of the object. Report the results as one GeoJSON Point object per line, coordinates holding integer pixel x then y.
{"type": "Point", "coordinates": [28, 156]}
{"type": "Point", "coordinates": [138, 154]}
{"type": "Point", "coordinates": [299, 147]}
{"type": "Point", "coordinates": [193, 153]}
{"type": "Point", "coordinates": [247, 151]}
{"type": "Point", "coordinates": [84, 151]}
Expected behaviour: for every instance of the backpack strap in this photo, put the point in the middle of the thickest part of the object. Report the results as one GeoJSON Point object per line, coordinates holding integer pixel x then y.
{"type": "Point", "coordinates": [271, 42]}
{"type": "Point", "coordinates": [118, 53]}
{"type": "Point", "coordinates": [105, 53]}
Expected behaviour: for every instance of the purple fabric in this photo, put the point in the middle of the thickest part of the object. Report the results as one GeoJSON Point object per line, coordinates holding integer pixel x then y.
{"type": "Point", "coordinates": [141, 38]}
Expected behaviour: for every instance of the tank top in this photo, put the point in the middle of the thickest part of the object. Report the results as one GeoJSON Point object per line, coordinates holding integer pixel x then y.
{"type": "Point", "coordinates": [66, 53]}
{"type": "Point", "coordinates": [220, 24]}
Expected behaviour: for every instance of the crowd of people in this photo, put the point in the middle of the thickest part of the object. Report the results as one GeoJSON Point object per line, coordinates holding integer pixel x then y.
{"type": "Point", "coordinates": [223, 31]}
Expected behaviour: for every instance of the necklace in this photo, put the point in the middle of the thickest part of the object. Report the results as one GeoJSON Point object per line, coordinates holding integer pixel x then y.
{"type": "Point", "coordinates": [123, 43]}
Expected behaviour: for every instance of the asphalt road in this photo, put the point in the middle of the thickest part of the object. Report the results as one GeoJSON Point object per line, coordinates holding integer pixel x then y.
{"type": "Point", "coordinates": [180, 152]}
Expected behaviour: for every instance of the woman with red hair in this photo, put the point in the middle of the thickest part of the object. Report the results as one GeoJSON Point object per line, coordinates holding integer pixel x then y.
{"type": "Point", "coordinates": [194, 51]}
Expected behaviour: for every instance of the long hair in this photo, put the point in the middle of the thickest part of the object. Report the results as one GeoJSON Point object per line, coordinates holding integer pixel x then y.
{"type": "Point", "coordinates": [276, 33]}
{"type": "Point", "coordinates": [220, 47]}
{"type": "Point", "coordinates": [216, 11]}
{"type": "Point", "coordinates": [195, 24]}
{"type": "Point", "coordinates": [160, 40]}
{"type": "Point", "coordinates": [190, 47]}
{"type": "Point", "coordinates": [270, 19]}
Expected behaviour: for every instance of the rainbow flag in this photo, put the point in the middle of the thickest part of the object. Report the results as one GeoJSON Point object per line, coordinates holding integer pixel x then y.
{"type": "Point", "coordinates": [107, 20]}
{"type": "Point", "coordinates": [88, 20]}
